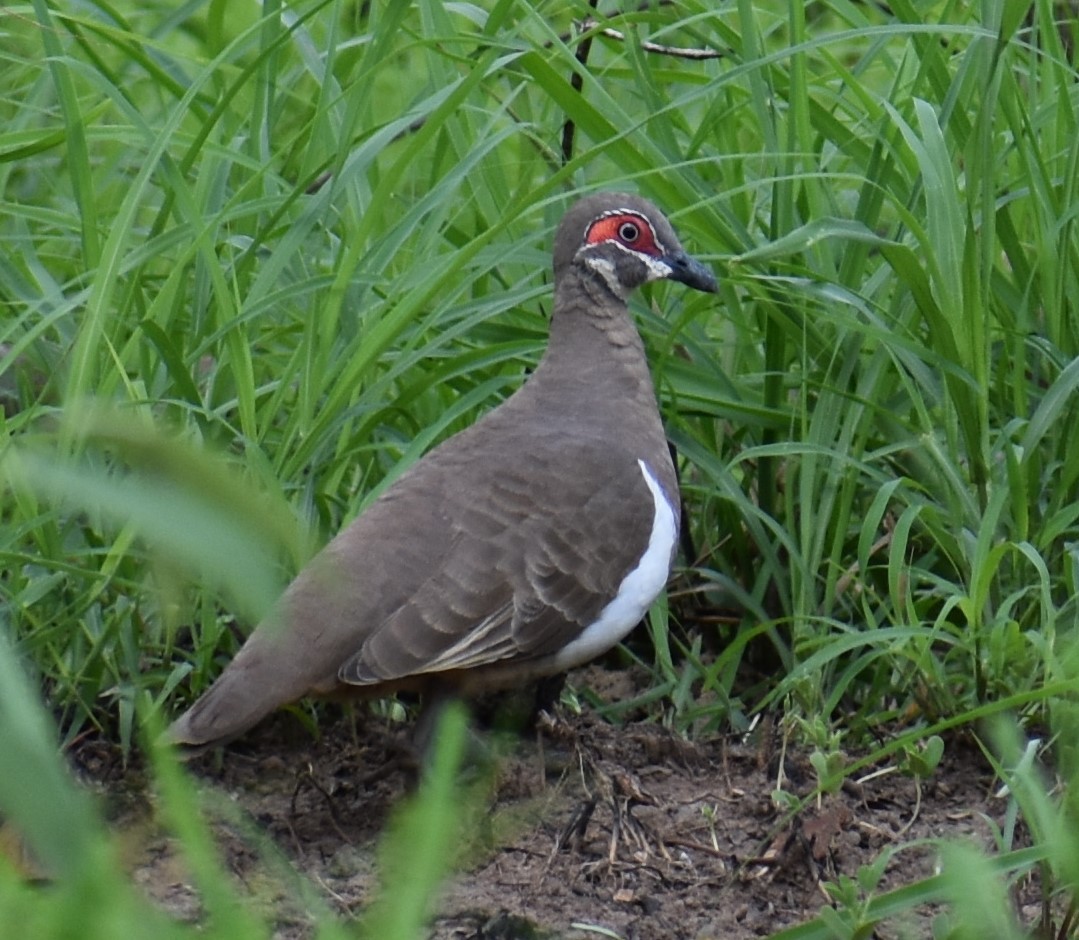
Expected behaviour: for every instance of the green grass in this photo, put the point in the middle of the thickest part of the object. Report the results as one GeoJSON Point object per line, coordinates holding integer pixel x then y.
{"type": "Point", "coordinates": [254, 264]}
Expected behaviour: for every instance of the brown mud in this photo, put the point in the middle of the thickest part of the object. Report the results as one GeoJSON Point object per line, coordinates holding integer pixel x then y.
{"type": "Point", "coordinates": [684, 840]}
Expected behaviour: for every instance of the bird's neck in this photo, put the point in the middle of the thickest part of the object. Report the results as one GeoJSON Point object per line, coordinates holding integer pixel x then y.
{"type": "Point", "coordinates": [594, 345]}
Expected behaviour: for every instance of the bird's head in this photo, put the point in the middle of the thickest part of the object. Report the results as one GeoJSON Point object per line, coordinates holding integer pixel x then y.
{"type": "Point", "coordinates": [627, 241]}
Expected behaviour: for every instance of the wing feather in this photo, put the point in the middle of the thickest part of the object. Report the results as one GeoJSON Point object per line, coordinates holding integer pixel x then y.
{"type": "Point", "coordinates": [514, 585]}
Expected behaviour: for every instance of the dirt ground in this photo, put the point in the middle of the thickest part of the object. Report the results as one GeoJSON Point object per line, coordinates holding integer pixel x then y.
{"type": "Point", "coordinates": [691, 847]}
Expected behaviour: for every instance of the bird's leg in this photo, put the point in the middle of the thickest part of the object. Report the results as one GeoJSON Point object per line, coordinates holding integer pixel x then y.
{"type": "Point", "coordinates": [572, 833]}
{"type": "Point", "coordinates": [435, 702]}
{"type": "Point", "coordinates": [548, 692]}
{"type": "Point", "coordinates": [478, 753]}
{"type": "Point", "coordinates": [613, 785]}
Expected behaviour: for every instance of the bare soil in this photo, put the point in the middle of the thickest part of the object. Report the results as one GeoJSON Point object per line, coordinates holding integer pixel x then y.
{"type": "Point", "coordinates": [684, 840]}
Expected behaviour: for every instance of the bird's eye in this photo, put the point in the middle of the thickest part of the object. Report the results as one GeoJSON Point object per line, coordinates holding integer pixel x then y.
{"type": "Point", "coordinates": [629, 231]}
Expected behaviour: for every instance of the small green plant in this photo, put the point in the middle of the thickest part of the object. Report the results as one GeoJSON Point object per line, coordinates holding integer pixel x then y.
{"type": "Point", "coordinates": [830, 767]}
{"type": "Point", "coordinates": [920, 761]}
{"type": "Point", "coordinates": [711, 817]}
{"type": "Point", "coordinates": [826, 749]}
{"type": "Point", "coordinates": [852, 917]}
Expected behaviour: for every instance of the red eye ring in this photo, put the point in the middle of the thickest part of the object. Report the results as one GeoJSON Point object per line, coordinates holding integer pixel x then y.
{"type": "Point", "coordinates": [628, 229]}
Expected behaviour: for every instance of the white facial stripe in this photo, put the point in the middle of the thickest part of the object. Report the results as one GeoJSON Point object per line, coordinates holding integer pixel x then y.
{"type": "Point", "coordinates": [657, 267]}
{"type": "Point", "coordinates": [605, 269]}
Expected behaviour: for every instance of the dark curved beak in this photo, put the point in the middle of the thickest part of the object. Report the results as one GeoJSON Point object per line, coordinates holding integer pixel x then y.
{"type": "Point", "coordinates": [690, 272]}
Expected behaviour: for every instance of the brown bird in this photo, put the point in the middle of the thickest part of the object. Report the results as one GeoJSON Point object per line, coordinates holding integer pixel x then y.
{"type": "Point", "coordinates": [525, 545]}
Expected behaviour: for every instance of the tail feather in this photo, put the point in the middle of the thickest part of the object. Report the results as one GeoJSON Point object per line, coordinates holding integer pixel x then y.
{"type": "Point", "coordinates": [224, 712]}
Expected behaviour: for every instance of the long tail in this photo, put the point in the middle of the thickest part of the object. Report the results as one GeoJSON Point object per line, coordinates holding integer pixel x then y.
{"type": "Point", "coordinates": [245, 693]}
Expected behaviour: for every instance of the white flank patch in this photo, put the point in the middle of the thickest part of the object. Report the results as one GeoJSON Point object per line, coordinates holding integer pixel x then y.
{"type": "Point", "coordinates": [636, 592]}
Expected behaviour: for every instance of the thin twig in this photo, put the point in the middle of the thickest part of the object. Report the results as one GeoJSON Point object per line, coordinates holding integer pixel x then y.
{"type": "Point", "coordinates": [680, 52]}
{"type": "Point", "coordinates": [903, 830]}
{"type": "Point", "coordinates": [576, 81]}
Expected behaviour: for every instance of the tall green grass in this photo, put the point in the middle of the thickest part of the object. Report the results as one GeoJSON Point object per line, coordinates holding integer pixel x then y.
{"type": "Point", "coordinates": [254, 263]}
